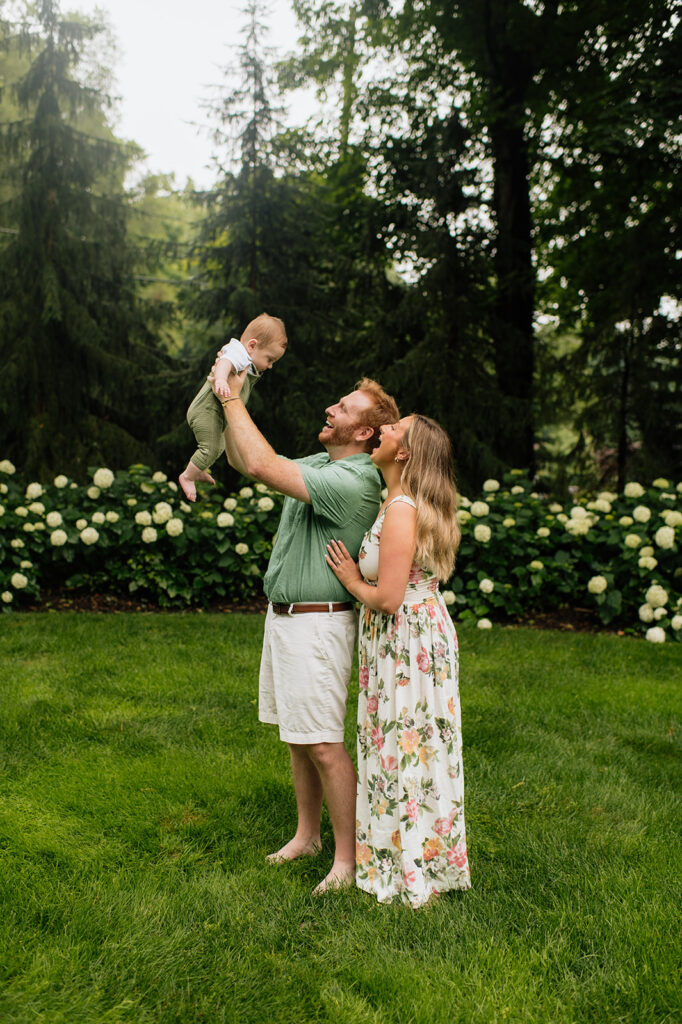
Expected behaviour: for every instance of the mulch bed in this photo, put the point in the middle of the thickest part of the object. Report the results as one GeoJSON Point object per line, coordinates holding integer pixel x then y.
{"type": "Point", "coordinates": [567, 620]}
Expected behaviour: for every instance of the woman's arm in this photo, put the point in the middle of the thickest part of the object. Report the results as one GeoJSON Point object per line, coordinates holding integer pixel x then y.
{"type": "Point", "coordinates": [396, 554]}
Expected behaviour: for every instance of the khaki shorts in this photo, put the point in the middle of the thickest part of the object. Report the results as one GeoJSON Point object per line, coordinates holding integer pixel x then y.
{"type": "Point", "coordinates": [304, 673]}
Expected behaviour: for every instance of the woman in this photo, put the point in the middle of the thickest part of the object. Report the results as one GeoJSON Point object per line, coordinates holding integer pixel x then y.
{"type": "Point", "coordinates": [410, 839]}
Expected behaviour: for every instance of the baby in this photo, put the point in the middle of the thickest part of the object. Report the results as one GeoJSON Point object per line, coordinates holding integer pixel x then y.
{"type": "Point", "coordinates": [262, 343]}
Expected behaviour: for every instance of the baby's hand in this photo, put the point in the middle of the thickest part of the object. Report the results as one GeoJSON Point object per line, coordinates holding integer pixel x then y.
{"type": "Point", "coordinates": [221, 388]}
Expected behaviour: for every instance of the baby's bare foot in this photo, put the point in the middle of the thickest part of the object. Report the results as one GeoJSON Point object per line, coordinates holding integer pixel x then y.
{"type": "Point", "coordinates": [295, 848]}
{"type": "Point", "coordinates": [188, 487]}
{"type": "Point", "coordinates": [206, 477]}
{"type": "Point", "coordinates": [338, 878]}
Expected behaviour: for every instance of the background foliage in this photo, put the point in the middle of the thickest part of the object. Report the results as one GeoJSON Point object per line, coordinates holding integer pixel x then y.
{"type": "Point", "coordinates": [484, 217]}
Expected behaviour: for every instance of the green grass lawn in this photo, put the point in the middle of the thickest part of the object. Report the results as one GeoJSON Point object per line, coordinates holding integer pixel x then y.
{"type": "Point", "coordinates": [140, 795]}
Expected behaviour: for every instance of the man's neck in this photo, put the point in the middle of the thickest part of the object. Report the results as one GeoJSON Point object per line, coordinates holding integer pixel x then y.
{"type": "Point", "coordinates": [343, 452]}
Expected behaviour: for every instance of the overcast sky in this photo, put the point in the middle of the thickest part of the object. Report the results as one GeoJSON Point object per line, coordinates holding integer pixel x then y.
{"type": "Point", "coordinates": [170, 54]}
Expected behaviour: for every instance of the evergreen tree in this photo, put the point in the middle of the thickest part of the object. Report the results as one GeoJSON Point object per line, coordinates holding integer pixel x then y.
{"type": "Point", "coordinates": [73, 355]}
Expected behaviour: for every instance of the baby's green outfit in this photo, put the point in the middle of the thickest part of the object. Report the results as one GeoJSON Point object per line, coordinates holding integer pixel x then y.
{"type": "Point", "coordinates": [205, 415]}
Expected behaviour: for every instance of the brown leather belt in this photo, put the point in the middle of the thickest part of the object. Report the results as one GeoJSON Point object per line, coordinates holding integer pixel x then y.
{"type": "Point", "coordinates": [298, 609]}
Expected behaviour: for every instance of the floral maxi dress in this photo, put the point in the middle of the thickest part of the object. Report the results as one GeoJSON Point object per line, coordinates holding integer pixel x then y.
{"type": "Point", "coordinates": [410, 837]}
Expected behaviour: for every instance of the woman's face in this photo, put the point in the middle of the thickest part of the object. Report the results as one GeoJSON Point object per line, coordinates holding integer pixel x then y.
{"type": "Point", "coordinates": [392, 438]}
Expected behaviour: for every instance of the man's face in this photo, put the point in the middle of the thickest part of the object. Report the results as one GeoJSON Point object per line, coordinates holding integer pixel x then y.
{"type": "Point", "coordinates": [345, 419]}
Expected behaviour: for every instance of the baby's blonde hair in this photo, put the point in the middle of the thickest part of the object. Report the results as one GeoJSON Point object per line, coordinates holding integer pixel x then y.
{"type": "Point", "coordinates": [429, 479]}
{"type": "Point", "coordinates": [268, 330]}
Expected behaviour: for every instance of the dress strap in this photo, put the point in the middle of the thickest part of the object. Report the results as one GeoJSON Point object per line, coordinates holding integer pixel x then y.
{"type": "Point", "coordinates": [400, 497]}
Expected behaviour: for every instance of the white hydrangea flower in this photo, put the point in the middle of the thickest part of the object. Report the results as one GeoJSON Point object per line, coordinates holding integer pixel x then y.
{"type": "Point", "coordinates": [656, 596]}
{"type": "Point", "coordinates": [660, 613]}
{"type": "Point", "coordinates": [112, 517]}
{"type": "Point", "coordinates": [230, 503]}
{"type": "Point", "coordinates": [28, 527]}
{"type": "Point", "coordinates": [509, 521]}
{"type": "Point", "coordinates": [16, 542]}
{"type": "Point", "coordinates": [3, 488]}
{"type": "Point", "coordinates": [172, 485]}
{"type": "Point", "coordinates": [482, 533]}
{"type": "Point", "coordinates": [655, 635]}
{"type": "Point", "coordinates": [143, 518]}
{"type": "Point", "coordinates": [578, 527]}
{"type": "Point", "coordinates": [262, 488]}
{"type": "Point", "coordinates": [37, 508]}
{"type": "Point", "coordinates": [265, 504]}
{"type": "Point", "coordinates": [174, 527]}
{"type": "Point", "coordinates": [98, 518]}
{"type": "Point", "coordinates": [185, 506]}
{"type": "Point", "coordinates": [103, 478]}
{"type": "Point", "coordinates": [607, 496]}
{"type": "Point", "coordinates": [642, 514]}
{"type": "Point", "coordinates": [58, 538]}
{"type": "Point", "coordinates": [542, 531]}
{"type": "Point", "coordinates": [60, 481]}
{"type": "Point", "coordinates": [463, 515]}
{"type": "Point", "coordinates": [2, 510]}
{"type": "Point", "coordinates": [54, 519]}
{"type": "Point", "coordinates": [647, 562]}
{"type": "Point", "coordinates": [7, 597]}
{"type": "Point", "coordinates": [39, 526]}
{"type": "Point", "coordinates": [146, 488]}
{"type": "Point", "coordinates": [491, 485]}
{"type": "Point", "coordinates": [25, 564]}
{"type": "Point", "coordinates": [676, 623]}
{"type": "Point", "coordinates": [626, 521]}
{"type": "Point", "coordinates": [73, 487]}
{"type": "Point", "coordinates": [633, 490]}
{"type": "Point", "coordinates": [89, 535]}
{"type": "Point", "coordinates": [480, 508]}
{"type": "Point", "coordinates": [516, 489]}
{"type": "Point", "coordinates": [646, 613]}
{"type": "Point", "coordinates": [162, 512]}
{"type": "Point", "coordinates": [21, 511]}
{"type": "Point", "coordinates": [464, 502]}
{"type": "Point", "coordinates": [449, 598]}
{"type": "Point", "coordinates": [562, 517]}
{"type": "Point", "coordinates": [679, 488]}
{"type": "Point", "coordinates": [600, 505]}
{"type": "Point", "coordinates": [149, 535]}
{"type": "Point", "coordinates": [33, 491]}
{"type": "Point", "coordinates": [131, 502]}
{"type": "Point", "coordinates": [646, 551]}
{"type": "Point", "coordinates": [159, 477]}
{"type": "Point", "coordinates": [597, 585]}
{"type": "Point", "coordinates": [671, 517]}
{"type": "Point", "coordinates": [665, 537]}
{"type": "Point", "coordinates": [246, 492]}
{"type": "Point", "coordinates": [7, 467]}
{"type": "Point", "coordinates": [241, 549]}
{"type": "Point", "coordinates": [632, 540]}
{"type": "Point", "coordinates": [18, 580]}
{"type": "Point", "coordinates": [578, 512]}
{"type": "Point", "coordinates": [484, 624]}
{"type": "Point", "coordinates": [93, 492]}
{"type": "Point", "coordinates": [224, 519]}
{"type": "Point", "coordinates": [661, 483]}
{"type": "Point", "coordinates": [555, 507]}
{"type": "Point", "coordinates": [537, 565]}
{"type": "Point", "coordinates": [486, 586]}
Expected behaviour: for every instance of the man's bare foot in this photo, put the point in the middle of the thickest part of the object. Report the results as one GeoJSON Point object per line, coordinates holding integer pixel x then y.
{"type": "Point", "coordinates": [338, 878]}
{"type": "Point", "coordinates": [188, 487]}
{"type": "Point", "coordinates": [295, 848]}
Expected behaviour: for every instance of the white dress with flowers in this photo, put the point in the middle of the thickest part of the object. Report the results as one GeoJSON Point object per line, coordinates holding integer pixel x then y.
{"type": "Point", "coordinates": [410, 838]}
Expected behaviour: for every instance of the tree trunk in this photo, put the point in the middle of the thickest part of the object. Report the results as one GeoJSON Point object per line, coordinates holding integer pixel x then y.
{"type": "Point", "coordinates": [513, 322]}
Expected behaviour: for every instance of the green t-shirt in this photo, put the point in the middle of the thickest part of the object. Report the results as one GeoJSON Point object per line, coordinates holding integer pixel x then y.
{"type": "Point", "coordinates": [345, 498]}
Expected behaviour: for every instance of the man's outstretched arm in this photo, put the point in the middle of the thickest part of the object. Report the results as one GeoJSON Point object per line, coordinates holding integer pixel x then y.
{"type": "Point", "coordinates": [249, 453]}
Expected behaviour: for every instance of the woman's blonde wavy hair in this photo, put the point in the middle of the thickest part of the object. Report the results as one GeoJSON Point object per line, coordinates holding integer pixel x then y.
{"type": "Point", "coordinates": [429, 479]}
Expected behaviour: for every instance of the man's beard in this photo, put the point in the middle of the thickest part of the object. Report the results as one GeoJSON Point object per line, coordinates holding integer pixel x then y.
{"type": "Point", "coordinates": [338, 436]}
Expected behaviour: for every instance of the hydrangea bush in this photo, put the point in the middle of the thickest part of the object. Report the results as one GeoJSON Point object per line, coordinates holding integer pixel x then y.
{"type": "Point", "coordinates": [133, 532]}
{"type": "Point", "coordinates": [616, 554]}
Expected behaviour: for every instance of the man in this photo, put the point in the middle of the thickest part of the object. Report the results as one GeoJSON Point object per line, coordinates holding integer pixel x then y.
{"type": "Point", "coordinates": [311, 624]}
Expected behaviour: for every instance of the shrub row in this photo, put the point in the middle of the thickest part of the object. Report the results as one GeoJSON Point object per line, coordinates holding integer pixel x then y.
{"type": "Point", "coordinates": [133, 532]}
